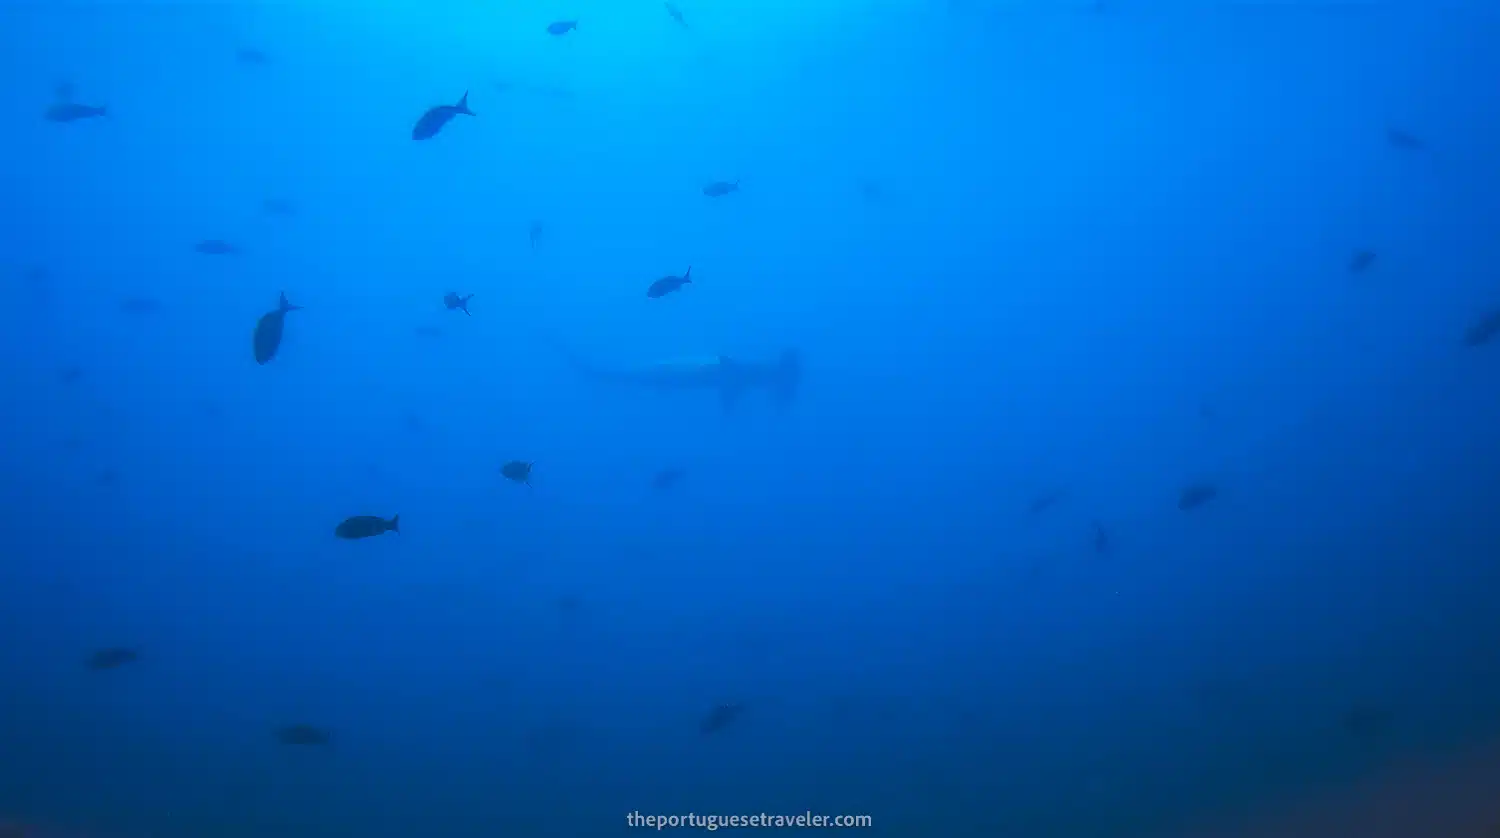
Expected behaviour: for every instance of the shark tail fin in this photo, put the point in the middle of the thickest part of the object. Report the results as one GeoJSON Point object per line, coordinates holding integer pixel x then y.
{"type": "Point", "coordinates": [284, 305]}
{"type": "Point", "coordinates": [788, 378]}
{"type": "Point", "coordinates": [687, 275]}
{"type": "Point", "coordinates": [463, 105]}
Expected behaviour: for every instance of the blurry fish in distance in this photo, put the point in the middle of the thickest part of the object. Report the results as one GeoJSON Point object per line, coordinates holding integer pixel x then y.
{"type": "Point", "coordinates": [278, 206]}
{"type": "Point", "coordinates": [452, 301]}
{"type": "Point", "coordinates": [431, 122]}
{"type": "Point", "coordinates": [719, 718]}
{"type": "Point", "coordinates": [534, 233]}
{"type": "Point", "coordinates": [676, 14]}
{"type": "Point", "coordinates": [1361, 260]}
{"type": "Point", "coordinates": [65, 109]}
{"type": "Point", "coordinates": [113, 657]}
{"type": "Point", "coordinates": [517, 471]}
{"type": "Point", "coordinates": [668, 284]}
{"type": "Point", "coordinates": [1483, 330]}
{"type": "Point", "coordinates": [1042, 503]}
{"type": "Point", "coordinates": [367, 526]}
{"type": "Point", "coordinates": [1195, 495]}
{"type": "Point", "coordinates": [1404, 140]}
{"type": "Point", "coordinates": [561, 27]}
{"type": "Point", "coordinates": [720, 188]}
{"type": "Point", "coordinates": [667, 478]}
{"type": "Point", "coordinates": [216, 247]}
{"type": "Point", "coordinates": [1101, 539]}
{"type": "Point", "coordinates": [303, 734]}
{"type": "Point", "coordinates": [269, 328]}
{"type": "Point", "coordinates": [252, 57]}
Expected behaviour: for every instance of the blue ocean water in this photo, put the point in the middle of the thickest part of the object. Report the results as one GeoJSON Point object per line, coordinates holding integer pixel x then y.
{"type": "Point", "coordinates": [907, 527]}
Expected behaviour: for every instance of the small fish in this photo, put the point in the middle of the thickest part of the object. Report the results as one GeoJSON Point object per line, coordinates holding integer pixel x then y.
{"type": "Point", "coordinates": [216, 247]}
{"type": "Point", "coordinates": [111, 658]}
{"type": "Point", "coordinates": [668, 284]}
{"type": "Point", "coordinates": [73, 111]}
{"type": "Point", "coordinates": [870, 190]}
{"type": "Point", "coordinates": [367, 526]}
{"type": "Point", "coordinates": [269, 328]}
{"type": "Point", "coordinates": [140, 305]}
{"type": "Point", "coordinates": [1483, 330]}
{"type": "Point", "coordinates": [676, 14]}
{"type": "Point", "coordinates": [667, 478]}
{"type": "Point", "coordinates": [1042, 503]}
{"type": "Point", "coordinates": [517, 471]}
{"type": "Point", "coordinates": [720, 188]}
{"type": "Point", "coordinates": [1361, 260]}
{"type": "Point", "coordinates": [278, 206]}
{"type": "Point", "coordinates": [1101, 539]}
{"type": "Point", "coordinates": [1195, 495]}
{"type": "Point", "coordinates": [252, 57]}
{"type": "Point", "coordinates": [561, 27]}
{"type": "Point", "coordinates": [1404, 140]}
{"type": "Point", "coordinates": [303, 734]}
{"type": "Point", "coordinates": [452, 301]}
{"type": "Point", "coordinates": [437, 116]}
{"type": "Point", "coordinates": [719, 718]}
{"type": "Point", "coordinates": [534, 233]}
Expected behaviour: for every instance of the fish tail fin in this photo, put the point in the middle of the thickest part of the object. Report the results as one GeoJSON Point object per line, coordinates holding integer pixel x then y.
{"type": "Point", "coordinates": [688, 274]}
{"type": "Point", "coordinates": [285, 306]}
{"type": "Point", "coordinates": [463, 105]}
{"type": "Point", "coordinates": [394, 525]}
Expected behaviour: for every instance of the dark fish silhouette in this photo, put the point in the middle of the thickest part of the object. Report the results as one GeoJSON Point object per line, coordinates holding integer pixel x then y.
{"type": "Point", "coordinates": [269, 328]}
{"type": "Point", "coordinates": [720, 188]}
{"type": "Point", "coordinates": [278, 206]}
{"type": "Point", "coordinates": [452, 301]}
{"type": "Point", "coordinates": [1484, 329]}
{"type": "Point", "coordinates": [720, 718]}
{"type": "Point", "coordinates": [367, 526]}
{"type": "Point", "coordinates": [70, 374]}
{"type": "Point", "coordinates": [561, 27]}
{"type": "Point", "coordinates": [111, 658]}
{"type": "Point", "coordinates": [1195, 495]}
{"type": "Point", "coordinates": [437, 116]}
{"type": "Point", "coordinates": [534, 234]}
{"type": "Point", "coordinates": [668, 284]}
{"type": "Point", "coordinates": [1361, 260]}
{"type": "Point", "coordinates": [667, 478]}
{"type": "Point", "coordinates": [73, 111]}
{"type": "Point", "coordinates": [517, 471]}
{"type": "Point", "coordinates": [676, 14]}
{"type": "Point", "coordinates": [1101, 538]}
{"type": "Point", "coordinates": [1404, 140]}
{"type": "Point", "coordinates": [303, 734]}
{"type": "Point", "coordinates": [216, 247]}
{"type": "Point", "coordinates": [250, 56]}
{"type": "Point", "coordinates": [1042, 503]}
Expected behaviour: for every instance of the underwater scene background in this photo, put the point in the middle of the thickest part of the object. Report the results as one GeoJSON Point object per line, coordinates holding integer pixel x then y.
{"type": "Point", "coordinates": [997, 419]}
